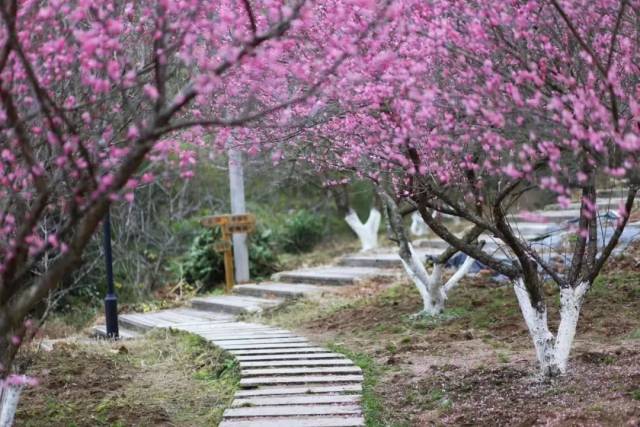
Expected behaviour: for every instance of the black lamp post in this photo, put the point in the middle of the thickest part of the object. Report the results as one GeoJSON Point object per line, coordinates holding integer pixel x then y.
{"type": "Point", "coordinates": [111, 300]}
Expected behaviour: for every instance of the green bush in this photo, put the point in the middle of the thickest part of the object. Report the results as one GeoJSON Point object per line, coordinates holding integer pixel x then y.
{"type": "Point", "coordinates": [263, 259]}
{"type": "Point", "coordinates": [301, 232]}
{"type": "Point", "coordinates": [203, 264]}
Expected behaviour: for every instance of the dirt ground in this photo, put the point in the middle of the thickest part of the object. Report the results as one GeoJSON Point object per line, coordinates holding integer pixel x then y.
{"type": "Point", "coordinates": [474, 365]}
{"type": "Point", "coordinates": [163, 379]}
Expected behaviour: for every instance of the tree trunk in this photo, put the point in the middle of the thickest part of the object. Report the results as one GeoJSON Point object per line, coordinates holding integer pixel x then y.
{"type": "Point", "coordinates": [432, 288]}
{"type": "Point", "coordinates": [418, 226]}
{"type": "Point", "coordinates": [571, 300]}
{"type": "Point", "coordinates": [552, 352]}
{"type": "Point", "coordinates": [367, 232]}
{"type": "Point", "coordinates": [9, 403]}
{"type": "Point", "coordinates": [429, 285]}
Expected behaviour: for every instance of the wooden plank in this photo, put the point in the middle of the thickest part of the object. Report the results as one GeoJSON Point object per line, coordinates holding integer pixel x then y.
{"type": "Point", "coordinates": [212, 332]}
{"type": "Point", "coordinates": [293, 356]}
{"type": "Point", "coordinates": [273, 351]}
{"type": "Point", "coordinates": [213, 329]}
{"type": "Point", "coordinates": [299, 379]}
{"type": "Point", "coordinates": [349, 421]}
{"type": "Point", "coordinates": [266, 346]}
{"type": "Point", "coordinates": [259, 342]}
{"type": "Point", "coordinates": [305, 390]}
{"type": "Point", "coordinates": [205, 315]}
{"type": "Point", "coordinates": [203, 325]}
{"type": "Point", "coordinates": [307, 362]}
{"type": "Point", "coordinates": [297, 400]}
{"type": "Point", "coordinates": [329, 370]}
{"type": "Point", "coordinates": [292, 410]}
{"type": "Point", "coordinates": [244, 337]}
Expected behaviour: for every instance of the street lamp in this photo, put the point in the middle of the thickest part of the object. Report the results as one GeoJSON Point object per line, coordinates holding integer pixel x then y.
{"type": "Point", "coordinates": [110, 300]}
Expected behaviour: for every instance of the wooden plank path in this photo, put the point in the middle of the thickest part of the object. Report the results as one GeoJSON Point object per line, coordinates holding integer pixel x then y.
{"type": "Point", "coordinates": [286, 381]}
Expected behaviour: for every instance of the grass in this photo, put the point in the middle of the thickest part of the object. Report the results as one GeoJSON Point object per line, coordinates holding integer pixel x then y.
{"type": "Point", "coordinates": [163, 378]}
{"type": "Point", "coordinates": [371, 403]}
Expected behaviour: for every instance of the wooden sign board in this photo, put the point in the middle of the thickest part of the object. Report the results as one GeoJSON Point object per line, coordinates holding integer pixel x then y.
{"type": "Point", "coordinates": [239, 223]}
{"type": "Point", "coordinates": [230, 224]}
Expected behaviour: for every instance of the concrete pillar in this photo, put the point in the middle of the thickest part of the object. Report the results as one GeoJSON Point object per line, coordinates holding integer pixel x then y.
{"type": "Point", "coordinates": [236, 185]}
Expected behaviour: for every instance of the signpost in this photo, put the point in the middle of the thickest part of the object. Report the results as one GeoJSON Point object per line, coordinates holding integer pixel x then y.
{"type": "Point", "coordinates": [230, 225]}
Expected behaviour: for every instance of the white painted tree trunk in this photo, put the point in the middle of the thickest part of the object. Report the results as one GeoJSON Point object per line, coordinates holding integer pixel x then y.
{"type": "Point", "coordinates": [552, 352]}
{"type": "Point", "coordinates": [418, 226]}
{"type": "Point", "coordinates": [367, 232]}
{"type": "Point", "coordinates": [432, 289]}
{"type": "Point", "coordinates": [9, 404]}
{"type": "Point", "coordinates": [571, 300]}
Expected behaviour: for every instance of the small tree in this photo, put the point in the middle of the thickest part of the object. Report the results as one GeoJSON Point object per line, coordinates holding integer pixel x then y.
{"type": "Point", "coordinates": [432, 286]}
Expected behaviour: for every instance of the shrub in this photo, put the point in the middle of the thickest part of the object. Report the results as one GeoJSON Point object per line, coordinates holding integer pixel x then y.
{"type": "Point", "coordinates": [205, 265]}
{"type": "Point", "coordinates": [301, 232]}
{"type": "Point", "coordinates": [202, 263]}
{"type": "Point", "coordinates": [263, 260]}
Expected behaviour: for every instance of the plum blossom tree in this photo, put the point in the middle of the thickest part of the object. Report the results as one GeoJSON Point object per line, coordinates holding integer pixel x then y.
{"type": "Point", "coordinates": [462, 108]}
{"type": "Point", "coordinates": [92, 91]}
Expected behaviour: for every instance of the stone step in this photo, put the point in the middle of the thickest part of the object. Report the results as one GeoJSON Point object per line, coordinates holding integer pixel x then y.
{"type": "Point", "coordinates": [551, 216]}
{"type": "Point", "coordinates": [298, 390]}
{"type": "Point", "coordinates": [617, 191]}
{"type": "Point", "coordinates": [297, 400]}
{"type": "Point", "coordinates": [347, 421]}
{"type": "Point", "coordinates": [329, 370]}
{"type": "Point", "coordinates": [528, 230]}
{"type": "Point", "coordinates": [386, 258]}
{"type": "Point", "coordinates": [292, 410]}
{"type": "Point", "coordinates": [299, 379]}
{"type": "Point", "coordinates": [292, 363]}
{"type": "Point", "coordinates": [280, 290]}
{"type": "Point", "coordinates": [234, 304]}
{"type": "Point", "coordinates": [334, 276]}
{"type": "Point", "coordinates": [432, 243]}
{"type": "Point", "coordinates": [604, 204]}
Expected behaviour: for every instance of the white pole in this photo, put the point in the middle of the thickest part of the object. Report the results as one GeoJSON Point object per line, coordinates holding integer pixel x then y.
{"type": "Point", "coordinates": [236, 185]}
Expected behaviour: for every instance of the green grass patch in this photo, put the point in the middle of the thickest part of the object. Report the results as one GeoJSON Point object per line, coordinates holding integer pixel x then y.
{"type": "Point", "coordinates": [371, 403]}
